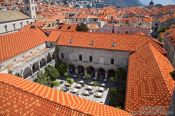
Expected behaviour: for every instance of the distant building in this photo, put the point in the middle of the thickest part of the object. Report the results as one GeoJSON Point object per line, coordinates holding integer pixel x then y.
{"type": "Point", "coordinates": [151, 4]}
{"type": "Point", "coordinates": [13, 20]}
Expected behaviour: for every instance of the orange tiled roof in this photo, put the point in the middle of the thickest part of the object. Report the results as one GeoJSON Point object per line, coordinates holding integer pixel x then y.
{"type": "Point", "coordinates": [23, 97]}
{"type": "Point", "coordinates": [149, 83]}
{"type": "Point", "coordinates": [16, 43]}
{"type": "Point", "coordinates": [104, 41]}
{"type": "Point", "coordinates": [54, 35]}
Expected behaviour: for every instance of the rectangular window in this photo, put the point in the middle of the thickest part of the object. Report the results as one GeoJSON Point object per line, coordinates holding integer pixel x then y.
{"type": "Point", "coordinates": [62, 55]}
{"type": "Point", "coordinates": [90, 58]}
{"type": "Point", "coordinates": [14, 60]}
{"type": "Point", "coordinates": [80, 57]}
{"type": "Point", "coordinates": [112, 60]}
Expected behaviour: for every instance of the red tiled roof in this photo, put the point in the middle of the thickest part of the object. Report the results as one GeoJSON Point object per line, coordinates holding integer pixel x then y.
{"type": "Point", "coordinates": [54, 35]}
{"type": "Point", "coordinates": [149, 82]}
{"type": "Point", "coordinates": [16, 43]}
{"type": "Point", "coordinates": [23, 97]}
{"type": "Point", "coordinates": [104, 41]}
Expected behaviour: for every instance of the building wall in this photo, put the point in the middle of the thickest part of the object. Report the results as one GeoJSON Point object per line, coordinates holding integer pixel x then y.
{"type": "Point", "coordinates": [101, 58]}
{"type": "Point", "coordinates": [21, 56]}
{"type": "Point", "coordinates": [10, 25]}
{"type": "Point", "coordinates": [170, 49]}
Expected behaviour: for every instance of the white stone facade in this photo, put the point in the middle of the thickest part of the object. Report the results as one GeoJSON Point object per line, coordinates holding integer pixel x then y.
{"type": "Point", "coordinates": [14, 25]}
{"type": "Point", "coordinates": [29, 63]}
{"type": "Point", "coordinates": [101, 58]}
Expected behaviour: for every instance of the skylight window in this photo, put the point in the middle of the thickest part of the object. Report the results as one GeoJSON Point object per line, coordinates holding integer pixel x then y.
{"type": "Point", "coordinates": [91, 43]}
{"type": "Point", "coordinates": [70, 41]}
{"type": "Point", "coordinates": [114, 44]}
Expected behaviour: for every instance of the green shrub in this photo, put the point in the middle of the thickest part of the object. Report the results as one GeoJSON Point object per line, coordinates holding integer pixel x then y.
{"type": "Point", "coordinates": [95, 83]}
{"type": "Point", "coordinates": [87, 76]}
{"type": "Point", "coordinates": [55, 83]}
{"type": "Point", "coordinates": [70, 81]}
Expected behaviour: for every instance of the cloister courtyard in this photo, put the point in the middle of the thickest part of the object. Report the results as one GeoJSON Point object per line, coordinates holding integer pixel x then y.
{"type": "Point", "coordinates": [99, 86]}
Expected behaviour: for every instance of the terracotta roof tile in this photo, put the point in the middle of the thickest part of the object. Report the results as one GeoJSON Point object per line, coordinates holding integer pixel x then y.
{"type": "Point", "coordinates": [149, 83]}
{"type": "Point", "coordinates": [104, 41]}
{"type": "Point", "coordinates": [16, 43]}
{"type": "Point", "coordinates": [23, 97]}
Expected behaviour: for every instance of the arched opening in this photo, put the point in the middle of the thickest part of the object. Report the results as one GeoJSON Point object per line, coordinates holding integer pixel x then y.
{"type": "Point", "coordinates": [71, 69]}
{"type": "Point", "coordinates": [27, 72]}
{"type": "Point", "coordinates": [54, 55]}
{"type": "Point", "coordinates": [42, 62]}
{"type": "Point", "coordinates": [111, 73]}
{"type": "Point", "coordinates": [101, 73]}
{"type": "Point", "coordinates": [49, 58]}
{"type": "Point", "coordinates": [91, 71]}
{"type": "Point", "coordinates": [80, 70]}
{"type": "Point", "coordinates": [35, 67]}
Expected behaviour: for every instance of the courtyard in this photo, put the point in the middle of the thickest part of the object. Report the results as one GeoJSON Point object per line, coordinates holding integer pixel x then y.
{"type": "Point", "coordinates": [89, 84]}
{"type": "Point", "coordinates": [92, 90]}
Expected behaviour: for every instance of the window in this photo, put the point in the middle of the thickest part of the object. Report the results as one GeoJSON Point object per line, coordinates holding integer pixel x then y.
{"type": "Point", "coordinates": [90, 58]}
{"type": "Point", "coordinates": [5, 27]}
{"type": "Point", "coordinates": [27, 1]}
{"type": "Point", "coordinates": [62, 55]}
{"type": "Point", "coordinates": [21, 24]}
{"type": "Point", "coordinates": [112, 60]}
{"type": "Point", "coordinates": [80, 57]}
{"type": "Point", "coordinates": [1, 67]}
{"type": "Point", "coordinates": [14, 60]}
{"type": "Point", "coordinates": [27, 8]}
{"type": "Point", "coordinates": [14, 27]}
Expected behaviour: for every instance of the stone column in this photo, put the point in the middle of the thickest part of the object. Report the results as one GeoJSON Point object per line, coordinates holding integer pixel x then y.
{"type": "Point", "coordinates": [76, 70]}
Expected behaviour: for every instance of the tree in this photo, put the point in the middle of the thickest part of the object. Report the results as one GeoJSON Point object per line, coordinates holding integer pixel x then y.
{"type": "Point", "coordinates": [52, 72]}
{"type": "Point", "coordinates": [61, 68]}
{"type": "Point", "coordinates": [121, 73]}
{"type": "Point", "coordinates": [113, 97]}
{"type": "Point", "coordinates": [82, 27]}
{"type": "Point", "coordinates": [43, 79]}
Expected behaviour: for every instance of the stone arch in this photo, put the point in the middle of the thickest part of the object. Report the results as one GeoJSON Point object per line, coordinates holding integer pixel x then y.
{"type": "Point", "coordinates": [71, 69]}
{"type": "Point", "coordinates": [111, 73]}
{"type": "Point", "coordinates": [54, 55]}
{"type": "Point", "coordinates": [42, 62]}
{"type": "Point", "coordinates": [80, 70]}
{"type": "Point", "coordinates": [49, 58]}
{"type": "Point", "coordinates": [101, 73]}
{"type": "Point", "coordinates": [35, 67]}
{"type": "Point", "coordinates": [91, 71]}
{"type": "Point", "coordinates": [27, 72]}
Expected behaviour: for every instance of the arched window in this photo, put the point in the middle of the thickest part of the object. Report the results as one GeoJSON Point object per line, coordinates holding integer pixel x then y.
{"type": "Point", "coordinates": [14, 26]}
{"type": "Point", "coordinates": [21, 24]}
{"type": "Point", "coordinates": [5, 27]}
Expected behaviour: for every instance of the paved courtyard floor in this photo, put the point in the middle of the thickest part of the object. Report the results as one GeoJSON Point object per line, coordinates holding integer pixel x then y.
{"type": "Point", "coordinates": [84, 89]}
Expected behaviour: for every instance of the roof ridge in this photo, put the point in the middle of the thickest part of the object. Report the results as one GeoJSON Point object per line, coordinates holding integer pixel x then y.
{"type": "Point", "coordinates": [153, 54]}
